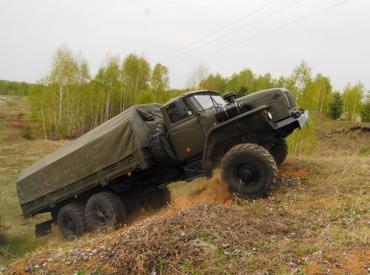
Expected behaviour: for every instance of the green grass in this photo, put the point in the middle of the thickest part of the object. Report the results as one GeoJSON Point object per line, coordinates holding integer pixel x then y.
{"type": "Point", "coordinates": [327, 208]}
{"type": "Point", "coordinates": [16, 152]}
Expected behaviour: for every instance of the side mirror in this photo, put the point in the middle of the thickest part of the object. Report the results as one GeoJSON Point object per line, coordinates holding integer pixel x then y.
{"type": "Point", "coordinates": [230, 97]}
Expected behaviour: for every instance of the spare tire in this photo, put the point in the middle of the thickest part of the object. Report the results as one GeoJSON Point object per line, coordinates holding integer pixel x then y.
{"type": "Point", "coordinates": [159, 146]}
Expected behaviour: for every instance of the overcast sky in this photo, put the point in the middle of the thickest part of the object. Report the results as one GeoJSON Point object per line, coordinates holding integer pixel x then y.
{"type": "Point", "coordinates": [227, 36]}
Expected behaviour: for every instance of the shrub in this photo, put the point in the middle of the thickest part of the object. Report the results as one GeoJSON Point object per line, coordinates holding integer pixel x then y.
{"type": "Point", "coordinates": [336, 107]}
{"type": "Point", "coordinates": [27, 132]}
{"type": "Point", "coordinates": [365, 111]}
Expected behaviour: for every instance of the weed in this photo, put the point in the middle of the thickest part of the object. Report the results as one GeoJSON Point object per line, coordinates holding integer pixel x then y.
{"type": "Point", "coordinates": [27, 132]}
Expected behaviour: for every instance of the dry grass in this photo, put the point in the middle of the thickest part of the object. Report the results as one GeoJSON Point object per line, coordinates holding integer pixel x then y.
{"type": "Point", "coordinates": [316, 220]}
{"type": "Point", "coordinates": [17, 152]}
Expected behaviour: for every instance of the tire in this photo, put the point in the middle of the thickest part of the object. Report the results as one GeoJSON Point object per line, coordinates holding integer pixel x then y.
{"type": "Point", "coordinates": [249, 170]}
{"type": "Point", "coordinates": [71, 220]}
{"type": "Point", "coordinates": [104, 209]}
{"type": "Point", "coordinates": [158, 198]}
{"type": "Point", "coordinates": [279, 151]}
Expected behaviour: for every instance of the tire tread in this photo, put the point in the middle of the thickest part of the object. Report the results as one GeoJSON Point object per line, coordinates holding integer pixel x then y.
{"type": "Point", "coordinates": [78, 210]}
{"type": "Point", "coordinates": [262, 152]}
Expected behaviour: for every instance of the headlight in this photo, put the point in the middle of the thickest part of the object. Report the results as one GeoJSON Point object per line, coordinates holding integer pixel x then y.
{"type": "Point", "coordinates": [269, 115]}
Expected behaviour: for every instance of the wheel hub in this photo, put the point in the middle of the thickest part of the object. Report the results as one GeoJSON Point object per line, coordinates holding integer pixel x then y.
{"type": "Point", "coordinates": [247, 174]}
{"type": "Point", "coordinates": [70, 224]}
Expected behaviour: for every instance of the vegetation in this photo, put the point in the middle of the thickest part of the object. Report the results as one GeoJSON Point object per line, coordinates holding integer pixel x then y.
{"type": "Point", "coordinates": [14, 87]}
{"type": "Point", "coordinates": [69, 101]}
{"type": "Point", "coordinates": [352, 100]}
{"type": "Point", "coordinates": [313, 222]}
{"type": "Point", "coordinates": [17, 152]}
{"type": "Point", "coordinates": [365, 112]}
{"type": "Point", "coordinates": [336, 106]}
{"type": "Point", "coordinates": [334, 173]}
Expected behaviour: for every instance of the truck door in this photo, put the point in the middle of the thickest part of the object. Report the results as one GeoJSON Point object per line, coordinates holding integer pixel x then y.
{"type": "Point", "coordinates": [185, 131]}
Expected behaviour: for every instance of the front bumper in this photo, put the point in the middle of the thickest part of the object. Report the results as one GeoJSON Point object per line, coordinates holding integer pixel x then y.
{"type": "Point", "coordinates": [303, 118]}
{"type": "Point", "coordinates": [298, 120]}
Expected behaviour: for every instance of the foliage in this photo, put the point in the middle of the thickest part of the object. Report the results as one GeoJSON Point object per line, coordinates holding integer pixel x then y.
{"type": "Point", "coordinates": [69, 101]}
{"type": "Point", "coordinates": [214, 82]}
{"type": "Point", "coordinates": [159, 81]}
{"type": "Point", "coordinates": [305, 140]}
{"type": "Point", "coordinates": [199, 74]}
{"type": "Point", "coordinates": [14, 88]}
{"type": "Point", "coordinates": [365, 111]}
{"type": "Point", "coordinates": [27, 132]}
{"type": "Point", "coordinates": [336, 106]}
{"type": "Point", "coordinates": [352, 97]}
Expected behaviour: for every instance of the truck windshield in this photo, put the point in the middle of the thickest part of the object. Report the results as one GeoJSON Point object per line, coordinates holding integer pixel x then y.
{"type": "Point", "coordinates": [207, 101]}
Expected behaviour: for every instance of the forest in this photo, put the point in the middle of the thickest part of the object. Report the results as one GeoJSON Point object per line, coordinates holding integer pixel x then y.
{"type": "Point", "coordinates": [69, 101]}
{"type": "Point", "coordinates": [14, 87]}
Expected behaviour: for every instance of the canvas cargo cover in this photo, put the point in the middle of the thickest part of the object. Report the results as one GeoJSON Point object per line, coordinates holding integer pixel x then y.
{"type": "Point", "coordinates": [124, 135]}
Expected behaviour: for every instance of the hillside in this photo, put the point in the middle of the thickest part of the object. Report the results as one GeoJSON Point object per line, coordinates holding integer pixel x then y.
{"type": "Point", "coordinates": [316, 219]}
{"type": "Point", "coordinates": [16, 152]}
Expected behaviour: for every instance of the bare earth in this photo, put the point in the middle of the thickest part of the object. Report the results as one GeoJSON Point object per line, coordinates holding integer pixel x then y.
{"type": "Point", "coordinates": [316, 220]}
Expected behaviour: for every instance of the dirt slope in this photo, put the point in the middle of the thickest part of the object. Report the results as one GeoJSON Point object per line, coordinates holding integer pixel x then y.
{"type": "Point", "coordinates": [316, 221]}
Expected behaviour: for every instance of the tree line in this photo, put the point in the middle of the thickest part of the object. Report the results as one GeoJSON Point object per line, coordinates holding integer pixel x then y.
{"type": "Point", "coordinates": [69, 101]}
{"type": "Point", "coordinates": [14, 88]}
{"type": "Point", "coordinates": [314, 93]}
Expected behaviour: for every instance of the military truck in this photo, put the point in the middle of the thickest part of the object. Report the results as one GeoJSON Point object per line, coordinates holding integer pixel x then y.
{"type": "Point", "coordinates": [85, 184]}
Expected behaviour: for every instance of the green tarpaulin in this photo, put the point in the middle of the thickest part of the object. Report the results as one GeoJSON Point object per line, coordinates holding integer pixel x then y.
{"type": "Point", "coordinates": [122, 136]}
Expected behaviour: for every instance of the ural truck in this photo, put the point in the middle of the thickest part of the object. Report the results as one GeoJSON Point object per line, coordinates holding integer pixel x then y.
{"type": "Point", "coordinates": [84, 185]}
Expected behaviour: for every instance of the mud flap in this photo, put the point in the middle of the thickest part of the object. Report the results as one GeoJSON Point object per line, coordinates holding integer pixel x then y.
{"type": "Point", "coordinates": [43, 229]}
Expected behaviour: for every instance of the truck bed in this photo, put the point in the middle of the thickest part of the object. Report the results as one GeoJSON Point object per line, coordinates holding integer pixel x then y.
{"type": "Point", "coordinates": [110, 150]}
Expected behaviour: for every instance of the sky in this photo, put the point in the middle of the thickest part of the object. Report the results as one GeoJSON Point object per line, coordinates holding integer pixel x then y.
{"type": "Point", "coordinates": [332, 36]}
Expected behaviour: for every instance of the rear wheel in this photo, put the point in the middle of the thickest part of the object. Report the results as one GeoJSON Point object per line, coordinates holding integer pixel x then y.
{"type": "Point", "coordinates": [279, 151]}
{"type": "Point", "coordinates": [158, 198]}
{"type": "Point", "coordinates": [249, 170]}
{"type": "Point", "coordinates": [104, 209]}
{"type": "Point", "coordinates": [71, 220]}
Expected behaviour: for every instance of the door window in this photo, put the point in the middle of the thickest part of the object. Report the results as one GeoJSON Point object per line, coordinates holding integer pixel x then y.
{"type": "Point", "coordinates": [174, 114]}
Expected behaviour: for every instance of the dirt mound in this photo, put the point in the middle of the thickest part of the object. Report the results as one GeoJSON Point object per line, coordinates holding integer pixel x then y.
{"type": "Point", "coordinates": [303, 226]}
{"type": "Point", "coordinates": [345, 141]}
{"type": "Point", "coordinates": [171, 243]}
{"type": "Point", "coordinates": [355, 129]}
{"type": "Point", "coordinates": [186, 234]}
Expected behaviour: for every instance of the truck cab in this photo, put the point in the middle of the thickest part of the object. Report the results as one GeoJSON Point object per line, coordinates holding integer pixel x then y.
{"type": "Point", "coordinates": [188, 119]}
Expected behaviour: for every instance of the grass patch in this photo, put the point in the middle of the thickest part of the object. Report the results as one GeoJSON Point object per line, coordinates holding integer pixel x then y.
{"type": "Point", "coordinates": [318, 213]}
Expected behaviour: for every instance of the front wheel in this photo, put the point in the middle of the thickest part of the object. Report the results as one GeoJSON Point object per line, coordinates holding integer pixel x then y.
{"type": "Point", "coordinates": [249, 170]}
{"type": "Point", "coordinates": [279, 150]}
